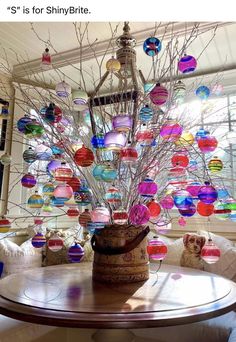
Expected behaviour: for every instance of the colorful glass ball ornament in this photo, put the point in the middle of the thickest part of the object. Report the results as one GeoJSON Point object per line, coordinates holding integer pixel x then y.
{"type": "Point", "coordinates": [97, 141]}
{"type": "Point", "coordinates": [46, 61]}
{"type": "Point", "coordinates": [28, 181]}
{"type": "Point", "coordinates": [57, 202]}
{"type": "Point", "coordinates": [85, 218]}
{"type": "Point", "coordinates": [146, 113]}
{"type": "Point", "coordinates": [193, 189]}
{"type": "Point", "coordinates": [35, 201]}
{"type": "Point", "coordinates": [204, 209]}
{"type": "Point", "coordinates": [75, 253]}
{"type": "Point", "coordinates": [83, 196]}
{"type": "Point", "coordinates": [188, 210]}
{"type": "Point", "coordinates": [203, 92]}
{"type": "Point", "coordinates": [79, 97]}
{"type": "Point", "coordinates": [48, 189]}
{"type": "Point", "coordinates": [139, 214]}
{"type": "Point", "coordinates": [84, 157]}
{"type": "Point", "coordinates": [182, 222]}
{"type": "Point", "coordinates": [5, 225]}
{"type": "Point", "coordinates": [100, 214]}
{"type": "Point", "coordinates": [201, 133]}
{"type": "Point", "coordinates": [52, 166]}
{"type": "Point", "coordinates": [159, 95]}
{"type": "Point", "coordinates": [43, 152]}
{"type": "Point", "coordinates": [207, 144]}
{"type": "Point", "coordinates": [182, 199]}
{"type": "Point", "coordinates": [222, 192]}
{"type": "Point", "coordinates": [120, 216]}
{"type": "Point", "coordinates": [63, 173]}
{"type": "Point", "coordinates": [63, 89]}
{"type": "Point", "coordinates": [180, 159]}
{"type": "Point", "coordinates": [22, 122]}
{"type": "Point", "coordinates": [152, 46]}
{"type": "Point", "coordinates": [113, 195]}
{"type": "Point", "coordinates": [113, 65]}
{"type": "Point", "coordinates": [167, 202]}
{"type": "Point", "coordinates": [210, 253]}
{"type": "Point", "coordinates": [171, 130]}
{"type": "Point", "coordinates": [215, 165]}
{"type": "Point", "coordinates": [147, 188]}
{"type": "Point", "coordinates": [186, 140]}
{"type": "Point", "coordinates": [144, 135]}
{"type": "Point", "coordinates": [129, 155]}
{"type": "Point", "coordinates": [179, 91]}
{"type": "Point", "coordinates": [109, 174]}
{"type": "Point", "coordinates": [114, 141]}
{"type": "Point", "coordinates": [156, 249]}
{"type": "Point", "coordinates": [29, 155]}
{"type": "Point", "coordinates": [154, 208]}
{"type": "Point", "coordinates": [53, 114]}
{"type": "Point", "coordinates": [63, 192]}
{"type": "Point", "coordinates": [55, 243]}
{"type": "Point", "coordinates": [33, 129]}
{"type": "Point", "coordinates": [72, 212]}
{"type": "Point", "coordinates": [74, 182]}
{"type": "Point", "coordinates": [5, 159]}
{"type": "Point", "coordinates": [187, 64]}
{"type": "Point", "coordinates": [97, 171]}
{"type": "Point", "coordinates": [207, 193]}
{"type": "Point", "coordinates": [57, 149]}
{"type": "Point", "coordinates": [122, 123]}
{"type": "Point", "coordinates": [39, 240]}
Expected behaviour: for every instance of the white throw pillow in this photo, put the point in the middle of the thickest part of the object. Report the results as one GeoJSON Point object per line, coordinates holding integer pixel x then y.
{"type": "Point", "coordinates": [19, 258]}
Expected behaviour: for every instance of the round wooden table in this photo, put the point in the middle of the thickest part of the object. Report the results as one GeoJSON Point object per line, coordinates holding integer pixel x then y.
{"type": "Point", "coordinates": [66, 296]}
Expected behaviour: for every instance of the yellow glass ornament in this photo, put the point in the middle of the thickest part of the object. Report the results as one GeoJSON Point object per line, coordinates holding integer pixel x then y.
{"type": "Point", "coordinates": [113, 65]}
{"type": "Point", "coordinates": [186, 139]}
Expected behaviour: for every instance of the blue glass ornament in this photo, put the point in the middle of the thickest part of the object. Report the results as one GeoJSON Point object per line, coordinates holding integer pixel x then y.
{"type": "Point", "coordinates": [146, 114]}
{"type": "Point", "coordinates": [188, 212]}
{"type": "Point", "coordinates": [97, 141]}
{"type": "Point", "coordinates": [203, 92]}
{"type": "Point", "coordinates": [97, 171]}
{"type": "Point", "coordinates": [222, 193]}
{"type": "Point", "coordinates": [152, 46]}
{"type": "Point", "coordinates": [109, 174]}
{"type": "Point", "coordinates": [207, 193]}
{"type": "Point", "coordinates": [182, 199]}
{"type": "Point", "coordinates": [22, 122]}
{"type": "Point", "coordinates": [201, 133]}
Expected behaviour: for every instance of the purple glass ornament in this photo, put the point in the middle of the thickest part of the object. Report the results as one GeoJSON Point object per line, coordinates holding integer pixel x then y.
{"type": "Point", "coordinates": [171, 130]}
{"type": "Point", "coordinates": [139, 214]}
{"type": "Point", "coordinates": [207, 193]}
{"type": "Point", "coordinates": [187, 64]}
{"type": "Point", "coordinates": [189, 211]}
{"type": "Point", "coordinates": [122, 123]}
{"type": "Point", "coordinates": [114, 140]}
{"type": "Point", "coordinates": [193, 189]}
{"type": "Point", "coordinates": [147, 188]}
{"type": "Point", "coordinates": [75, 253]}
{"type": "Point", "coordinates": [52, 166]}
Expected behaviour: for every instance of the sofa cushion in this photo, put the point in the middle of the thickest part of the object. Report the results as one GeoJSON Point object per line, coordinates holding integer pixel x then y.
{"type": "Point", "coordinates": [19, 258]}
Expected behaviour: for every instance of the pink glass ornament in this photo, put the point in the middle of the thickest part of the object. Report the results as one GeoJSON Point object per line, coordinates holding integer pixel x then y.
{"type": "Point", "coordinates": [139, 214]}
{"type": "Point", "coordinates": [167, 202]}
{"type": "Point", "coordinates": [100, 214]}
{"type": "Point", "coordinates": [147, 188]}
{"type": "Point", "coordinates": [210, 252]}
{"type": "Point", "coordinates": [193, 188]}
{"type": "Point", "coordinates": [158, 95]}
{"type": "Point", "coordinates": [187, 64]}
{"type": "Point", "coordinates": [182, 222]}
{"type": "Point", "coordinates": [63, 192]}
{"type": "Point", "coordinates": [145, 135]}
{"type": "Point", "coordinates": [156, 249]}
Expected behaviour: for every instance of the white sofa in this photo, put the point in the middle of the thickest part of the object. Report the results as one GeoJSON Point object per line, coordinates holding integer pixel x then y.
{"type": "Point", "coordinates": [220, 329]}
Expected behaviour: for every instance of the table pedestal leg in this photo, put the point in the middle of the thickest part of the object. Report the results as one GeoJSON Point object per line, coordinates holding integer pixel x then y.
{"type": "Point", "coordinates": [114, 335]}
{"type": "Point", "coordinates": [119, 335]}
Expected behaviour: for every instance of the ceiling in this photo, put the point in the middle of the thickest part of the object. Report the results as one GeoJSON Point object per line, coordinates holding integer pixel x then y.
{"type": "Point", "coordinates": [23, 43]}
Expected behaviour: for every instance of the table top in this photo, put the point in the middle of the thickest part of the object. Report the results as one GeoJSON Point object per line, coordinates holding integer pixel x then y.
{"type": "Point", "coordinates": [66, 295]}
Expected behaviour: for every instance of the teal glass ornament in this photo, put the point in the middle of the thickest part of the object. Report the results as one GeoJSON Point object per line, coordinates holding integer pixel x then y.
{"type": "Point", "coordinates": [109, 174]}
{"type": "Point", "coordinates": [97, 171]}
{"type": "Point", "coordinates": [146, 114]}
